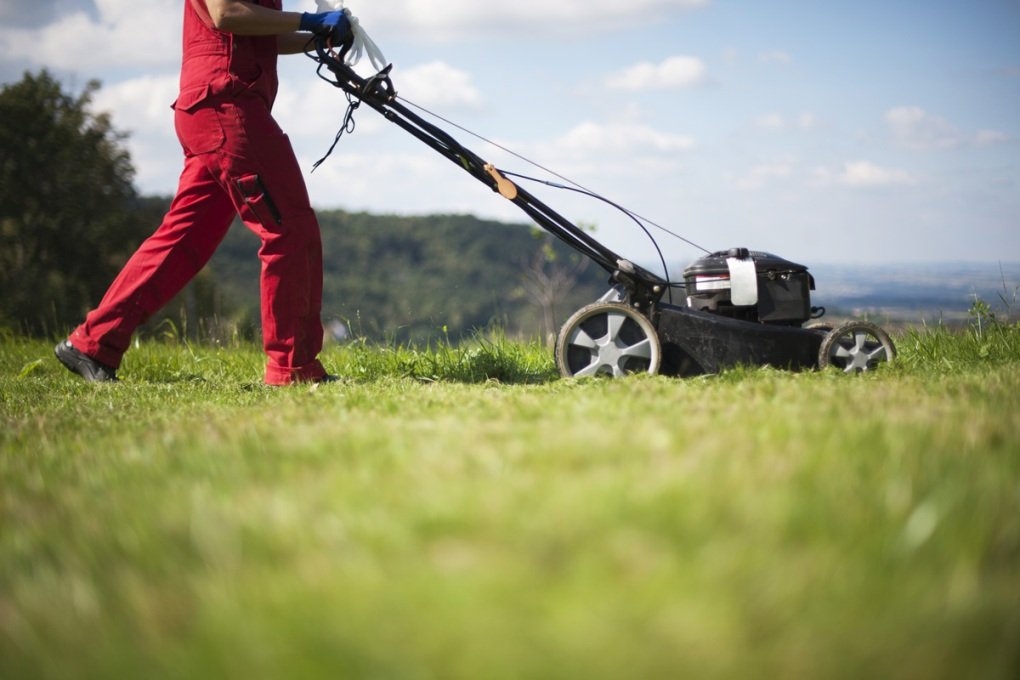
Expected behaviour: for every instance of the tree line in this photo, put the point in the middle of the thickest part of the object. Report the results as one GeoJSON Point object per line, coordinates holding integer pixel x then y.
{"type": "Point", "coordinates": [70, 216]}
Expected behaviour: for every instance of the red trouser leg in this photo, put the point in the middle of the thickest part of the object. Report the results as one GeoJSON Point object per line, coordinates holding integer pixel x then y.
{"type": "Point", "coordinates": [240, 162]}
{"type": "Point", "coordinates": [257, 165]}
{"type": "Point", "coordinates": [196, 223]}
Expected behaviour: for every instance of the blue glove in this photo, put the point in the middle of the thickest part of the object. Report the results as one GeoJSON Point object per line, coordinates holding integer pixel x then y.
{"type": "Point", "coordinates": [333, 25]}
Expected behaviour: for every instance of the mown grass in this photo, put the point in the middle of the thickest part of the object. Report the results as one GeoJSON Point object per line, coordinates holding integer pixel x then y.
{"type": "Point", "coordinates": [461, 513]}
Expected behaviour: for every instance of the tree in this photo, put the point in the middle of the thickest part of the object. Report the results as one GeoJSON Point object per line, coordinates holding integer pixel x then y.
{"type": "Point", "coordinates": [69, 214]}
{"type": "Point", "coordinates": [549, 277]}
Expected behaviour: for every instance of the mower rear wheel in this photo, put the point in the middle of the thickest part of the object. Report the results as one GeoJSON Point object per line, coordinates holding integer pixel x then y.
{"type": "Point", "coordinates": [607, 339]}
{"type": "Point", "coordinates": [856, 346]}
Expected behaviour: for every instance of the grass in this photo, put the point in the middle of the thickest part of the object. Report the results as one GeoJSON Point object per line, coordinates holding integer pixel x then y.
{"type": "Point", "coordinates": [461, 513]}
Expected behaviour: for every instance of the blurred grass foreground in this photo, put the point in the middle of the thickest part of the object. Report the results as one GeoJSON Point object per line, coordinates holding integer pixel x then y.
{"type": "Point", "coordinates": [463, 513]}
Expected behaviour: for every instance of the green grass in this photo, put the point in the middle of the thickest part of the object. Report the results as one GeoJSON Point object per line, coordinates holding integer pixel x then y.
{"type": "Point", "coordinates": [462, 513]}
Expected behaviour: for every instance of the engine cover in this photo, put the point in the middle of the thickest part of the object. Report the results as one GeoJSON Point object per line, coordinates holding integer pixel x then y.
{"type": "Point", "coordinates": [773, 291]}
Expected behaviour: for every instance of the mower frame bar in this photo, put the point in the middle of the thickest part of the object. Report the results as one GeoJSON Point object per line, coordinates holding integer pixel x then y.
{"type": "Point", "coordinates": [645, 289]}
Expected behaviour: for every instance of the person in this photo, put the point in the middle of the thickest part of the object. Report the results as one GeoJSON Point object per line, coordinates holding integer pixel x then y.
{"type": "Point", "coordinates": [237, 161]}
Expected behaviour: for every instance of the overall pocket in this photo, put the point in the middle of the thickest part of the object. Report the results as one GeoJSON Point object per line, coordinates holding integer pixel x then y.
{"type": "Point", "coordinates": [197, 123]}
{"type": "Point", "coordinates": [258, 200]}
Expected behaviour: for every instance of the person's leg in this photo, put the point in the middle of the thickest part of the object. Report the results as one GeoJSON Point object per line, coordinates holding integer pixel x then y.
{"type": "Point", "coordinates": [196, 223]}
{"type": "Point", "coordinates": [258, 165]}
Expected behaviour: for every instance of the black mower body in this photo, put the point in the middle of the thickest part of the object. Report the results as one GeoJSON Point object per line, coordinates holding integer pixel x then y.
{"type": "Point", "coordinates": [696, 342]}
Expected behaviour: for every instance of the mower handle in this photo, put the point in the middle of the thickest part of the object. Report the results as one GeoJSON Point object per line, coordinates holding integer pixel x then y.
{"type": "Point", "coordinates": [378, 92]}
{"type": "Point", "coordinates": [323, 47]}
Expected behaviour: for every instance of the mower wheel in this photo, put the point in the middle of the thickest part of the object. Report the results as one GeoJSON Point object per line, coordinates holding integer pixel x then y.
{"type": "Point", "coordinates": [856, 346]}
{"type": "Point", "coordinates": [607, 339]}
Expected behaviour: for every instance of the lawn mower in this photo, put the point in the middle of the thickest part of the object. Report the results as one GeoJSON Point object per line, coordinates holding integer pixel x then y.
{"type": "Point", "coordinates": [739, 307]}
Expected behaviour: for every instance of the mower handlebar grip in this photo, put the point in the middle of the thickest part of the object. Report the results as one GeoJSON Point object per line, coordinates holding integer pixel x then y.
{"type": "Point", "coordinates": [322, 48]}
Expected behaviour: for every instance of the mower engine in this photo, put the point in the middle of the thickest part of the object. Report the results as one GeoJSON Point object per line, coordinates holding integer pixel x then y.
{"type": "Point", "coordinates": [751, 286]}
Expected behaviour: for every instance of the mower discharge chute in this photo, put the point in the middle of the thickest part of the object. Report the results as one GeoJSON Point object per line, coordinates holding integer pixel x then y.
{"type": "Point", "coordinates": [742, 307]}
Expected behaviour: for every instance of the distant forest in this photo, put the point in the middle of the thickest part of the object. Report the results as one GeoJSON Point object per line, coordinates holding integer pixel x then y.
{"type": "Point", "coordinates": [405, 279]}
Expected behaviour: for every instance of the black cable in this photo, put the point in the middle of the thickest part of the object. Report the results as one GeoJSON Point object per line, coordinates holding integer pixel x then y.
{"type": "Point", "coordinates": [585, 192]}
{"type": "Point", "coordinates": [347, 126]}
{"type": "Point", "coordinates": [583, 189]}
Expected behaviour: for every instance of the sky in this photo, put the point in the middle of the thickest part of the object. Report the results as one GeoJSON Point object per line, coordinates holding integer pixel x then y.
{"type": "Point", "coordinates": [866, 132]}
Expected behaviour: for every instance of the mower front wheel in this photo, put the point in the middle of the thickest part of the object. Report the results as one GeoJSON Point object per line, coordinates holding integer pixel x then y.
{"type": "Point", "coordinates": [856, 346]}
{"type": "Point", "coordinates": [607, 339]}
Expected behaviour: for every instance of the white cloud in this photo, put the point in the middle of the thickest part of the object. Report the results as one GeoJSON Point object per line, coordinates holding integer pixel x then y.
{"type": "Point", "coordinates": [456, 18]}
{"type": "Point", "coordinates": [991, 138]}
{"type": "Point", "coordinates": [125, 33]}
{"type": "Point", "coordinates": [360, 174]}
{"type": "Point", "coordinates": [864, 174]}
{"type": "Point", "coordinates": [915, 128]}
{"type": "Point", "coordinates": [594, 137]}
{"type": "Point", "coordinates": [762, 174]}
{"type": "Point", "coordinates": [438, 84]}
{"type": "Point", "coordinates": [309, 111]}
{"type": "Point", "coordinates": [673, 73]}
{"type": "Point", "coordinates": [778, 121]}
{"type": "Point", "coordinates": [771, 121]}
{"type": "Point", "coordinates": [139, 105]}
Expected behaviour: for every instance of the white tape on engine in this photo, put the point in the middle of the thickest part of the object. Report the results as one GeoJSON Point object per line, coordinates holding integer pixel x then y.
{"type": "Point", "coordinates": [743, 282]}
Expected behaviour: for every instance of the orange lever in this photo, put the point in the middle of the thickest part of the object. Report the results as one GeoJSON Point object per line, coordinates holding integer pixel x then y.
{"type": "Point", "coordinates": [507, 189]}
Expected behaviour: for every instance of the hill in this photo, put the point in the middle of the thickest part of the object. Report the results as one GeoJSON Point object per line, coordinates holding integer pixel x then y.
{"type": "Point", "coordinates": [419, 278]}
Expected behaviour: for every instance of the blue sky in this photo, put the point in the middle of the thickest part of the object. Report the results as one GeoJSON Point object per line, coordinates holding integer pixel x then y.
{"type": "Point", "coordinates": [824, 132]}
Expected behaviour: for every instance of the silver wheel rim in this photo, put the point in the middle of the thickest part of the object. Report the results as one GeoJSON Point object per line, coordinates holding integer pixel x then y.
{"type": "Point", "coordinates": [857, 351]}
{"type": "Point", "coordinates": [608, 340]}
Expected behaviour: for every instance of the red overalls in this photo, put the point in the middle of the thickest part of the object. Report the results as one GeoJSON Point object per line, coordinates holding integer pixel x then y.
{"type": "Point", "coordinates": [236, 160]}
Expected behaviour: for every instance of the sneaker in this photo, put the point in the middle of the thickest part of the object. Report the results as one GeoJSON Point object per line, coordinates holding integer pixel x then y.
{"type": "Point", "coordinates": [84, 365]}
{"type": "Point", "coordinates": [327, 379]}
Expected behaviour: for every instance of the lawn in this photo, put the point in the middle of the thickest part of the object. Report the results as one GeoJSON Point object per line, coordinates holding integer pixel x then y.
{"type": "Point", "coordinates": [463, 513]}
